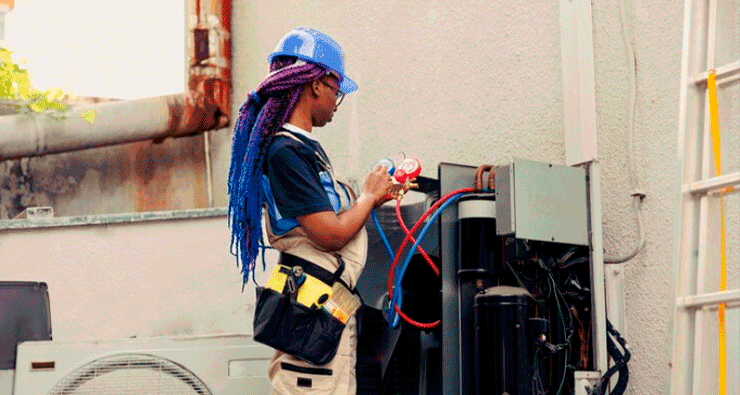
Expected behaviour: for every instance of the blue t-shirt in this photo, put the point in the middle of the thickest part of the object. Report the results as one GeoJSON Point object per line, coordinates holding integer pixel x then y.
{"type": "Point", "coordinates": [297, 181]}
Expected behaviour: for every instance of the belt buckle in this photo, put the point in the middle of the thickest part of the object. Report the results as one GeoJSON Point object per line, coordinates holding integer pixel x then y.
{"type": "Point", "coordinates": [291, 284]}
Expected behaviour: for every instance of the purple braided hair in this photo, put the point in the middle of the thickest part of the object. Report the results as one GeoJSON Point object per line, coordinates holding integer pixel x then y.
{"type": "Point", "coordinates": [263, 113]}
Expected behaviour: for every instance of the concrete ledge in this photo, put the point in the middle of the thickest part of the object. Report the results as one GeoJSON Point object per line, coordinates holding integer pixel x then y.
{"type": "Point", "coordinates": [102, 219]}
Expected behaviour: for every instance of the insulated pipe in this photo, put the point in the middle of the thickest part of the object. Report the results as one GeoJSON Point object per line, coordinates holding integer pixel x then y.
{"type": "Point", "coordinates": [205, 106]}
{"type": "Point", "coordinates": [115, 123]}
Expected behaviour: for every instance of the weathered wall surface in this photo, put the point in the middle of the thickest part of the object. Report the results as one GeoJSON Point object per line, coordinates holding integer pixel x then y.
{"type": "Point", "coordinates": [144, 176]}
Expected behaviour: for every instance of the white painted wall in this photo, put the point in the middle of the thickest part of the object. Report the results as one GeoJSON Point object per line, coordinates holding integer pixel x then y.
{"type": "Point", "coordinates": [123, 280]}
{"type": "Point", "coordinates": [463, 82]}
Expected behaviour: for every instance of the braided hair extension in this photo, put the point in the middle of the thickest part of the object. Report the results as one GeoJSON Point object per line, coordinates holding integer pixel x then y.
{"type": "Point", "coordinates": [263, 113]}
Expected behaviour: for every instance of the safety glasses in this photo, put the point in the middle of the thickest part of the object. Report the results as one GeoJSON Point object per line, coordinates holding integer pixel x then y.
{"type": "Point", "coordinates": [340, 95]}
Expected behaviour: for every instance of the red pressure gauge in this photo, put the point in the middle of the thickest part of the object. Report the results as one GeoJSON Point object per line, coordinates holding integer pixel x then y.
{"type": "Point", "coordinates": [409, 169]}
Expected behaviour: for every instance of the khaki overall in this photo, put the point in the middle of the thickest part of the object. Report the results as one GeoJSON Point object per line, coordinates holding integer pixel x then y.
{"type": "Point", "coordinates": [290, 375]}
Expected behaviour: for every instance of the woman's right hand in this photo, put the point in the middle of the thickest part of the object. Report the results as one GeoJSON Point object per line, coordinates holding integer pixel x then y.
{"type": "Point", "coordinates": [332, 232]}
{"type": "Point", "coordinates": [378, 185]}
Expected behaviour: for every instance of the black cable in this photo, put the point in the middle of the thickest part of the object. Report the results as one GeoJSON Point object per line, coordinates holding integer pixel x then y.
{"type": "Point", "coordinates": [544, 348]}
{"type": "Point", "coordinates": [568, 332]}
{"type": "Point", "coordinates": [538, 386]}
{"type": "Point", "coordinates": [621, 385]}
{"type": "Point", "coordinates": [573, 262]}
{"type": "Point", "coordinates": [620, 364]}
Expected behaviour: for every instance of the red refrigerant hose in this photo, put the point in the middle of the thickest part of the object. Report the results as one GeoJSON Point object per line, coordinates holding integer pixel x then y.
{"type": "Point", "coordinates": [408, 234]}
{"type": "Point", "coordinates": [403, 245]}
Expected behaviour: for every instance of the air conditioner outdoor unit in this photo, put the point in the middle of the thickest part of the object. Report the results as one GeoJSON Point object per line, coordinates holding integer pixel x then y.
{"type": "Point", "coordinates": [198, 365]}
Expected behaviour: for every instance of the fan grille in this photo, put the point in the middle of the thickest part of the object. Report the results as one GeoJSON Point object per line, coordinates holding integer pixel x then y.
{"type": "Point", "coordinates": [131, 374]}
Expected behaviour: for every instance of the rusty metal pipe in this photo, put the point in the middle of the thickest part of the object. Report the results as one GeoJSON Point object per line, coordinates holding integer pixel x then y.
{"type": "Point", "coordinates": [209, 62]}
{"type": "Point", "coordinates": [205, 106]}
{"type": "Point", "coordinates": [115, 123]}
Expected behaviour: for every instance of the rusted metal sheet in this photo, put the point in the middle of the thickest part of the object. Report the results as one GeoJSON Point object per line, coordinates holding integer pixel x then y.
{"type": "Point", "coordinates": [135, 177]}
{"type": "Point", "coordinates": [167, 175]}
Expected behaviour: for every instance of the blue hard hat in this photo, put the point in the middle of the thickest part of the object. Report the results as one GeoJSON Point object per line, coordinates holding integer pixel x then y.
{"type": "Point", "coordinates": [316, 47]}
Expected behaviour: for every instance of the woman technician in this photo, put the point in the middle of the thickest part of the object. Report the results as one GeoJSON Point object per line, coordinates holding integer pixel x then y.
{"type": "Point", "coordinates": [312, 216]}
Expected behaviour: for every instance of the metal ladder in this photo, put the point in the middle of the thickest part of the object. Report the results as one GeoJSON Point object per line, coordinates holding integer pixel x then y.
{"type": "Point", "coordinates": [700, 297]}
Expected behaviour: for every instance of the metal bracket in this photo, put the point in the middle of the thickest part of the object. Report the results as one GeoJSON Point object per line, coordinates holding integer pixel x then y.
{"type": "Point", "coordinates": [585, 381]}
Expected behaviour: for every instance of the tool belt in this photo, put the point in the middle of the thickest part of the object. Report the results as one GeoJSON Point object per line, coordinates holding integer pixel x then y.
{"type": "Point", "coordinates": [289, 316]}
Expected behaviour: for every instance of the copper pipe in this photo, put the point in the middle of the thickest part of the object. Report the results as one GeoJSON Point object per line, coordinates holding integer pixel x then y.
{"type": "Point", "coordinates": [492, 178]}
{"type": "Point", "coordinates": [479, 176]}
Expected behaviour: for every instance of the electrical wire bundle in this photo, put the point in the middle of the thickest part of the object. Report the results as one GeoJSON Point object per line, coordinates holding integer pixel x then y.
{"type": "Point", "coordinates": [538, 273]}
{"type": "Point", "coordinates": [542, 347]}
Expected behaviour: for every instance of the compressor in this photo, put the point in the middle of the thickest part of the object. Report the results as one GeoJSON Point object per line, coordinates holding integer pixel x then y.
{"type": "Point", "coordinates": [502, 302]}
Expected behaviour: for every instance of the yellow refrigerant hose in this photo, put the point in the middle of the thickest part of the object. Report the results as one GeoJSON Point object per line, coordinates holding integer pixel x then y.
{"type": "Point", "coordinates": [714, 121]}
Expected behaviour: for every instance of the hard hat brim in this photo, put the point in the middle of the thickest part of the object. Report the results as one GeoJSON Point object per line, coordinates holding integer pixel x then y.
{"type": "Point", "coordinates": [346, 86]}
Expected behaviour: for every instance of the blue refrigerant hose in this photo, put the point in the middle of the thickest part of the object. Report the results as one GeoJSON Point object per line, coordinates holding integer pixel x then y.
{"type": "Point", "coordinates": [382, 237]}
{"type": "Point", "coordinates": [393, 318]}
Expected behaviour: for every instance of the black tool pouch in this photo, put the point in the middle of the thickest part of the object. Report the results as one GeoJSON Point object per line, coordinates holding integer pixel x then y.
{"type": "Point", "coordinates": [310, 334]}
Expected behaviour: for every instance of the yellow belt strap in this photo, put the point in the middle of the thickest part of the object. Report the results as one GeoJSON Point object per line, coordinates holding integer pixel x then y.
{"type": "Point", "coordinates": [309, 293]}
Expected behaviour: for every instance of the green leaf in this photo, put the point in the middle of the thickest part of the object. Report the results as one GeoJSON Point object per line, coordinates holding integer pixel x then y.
{"type": "Point", "coordinates": [6, 88]}
{"type": "Point", "coordinates": [37, 106]}
{"type": "Point", "coordinates": [89, 116]}
{"type": "Point", "coordinates": [5, 56]}
{"type": "Point", "coordinates": [15, 85]}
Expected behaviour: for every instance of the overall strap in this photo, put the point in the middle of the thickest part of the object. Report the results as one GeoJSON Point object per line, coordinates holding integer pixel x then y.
{"type": "Point", "coordinates": [295, 268]}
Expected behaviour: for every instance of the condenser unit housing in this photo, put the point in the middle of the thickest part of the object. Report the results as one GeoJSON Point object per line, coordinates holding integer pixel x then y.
{"type": "Point", "coordinates": [198, 365]}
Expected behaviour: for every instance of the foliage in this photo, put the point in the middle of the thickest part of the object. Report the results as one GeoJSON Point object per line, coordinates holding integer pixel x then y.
{"type": "Point", "coordinates": [16, 88]}
{"type": "Point", "coordinates": [89, 116]}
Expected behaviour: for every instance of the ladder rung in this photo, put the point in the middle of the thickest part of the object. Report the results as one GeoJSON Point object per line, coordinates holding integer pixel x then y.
{"type": "Point", "coordinates": [698, 301]}
{"type": "Point", "coordinates": [715, 184]}
{"type": "Point", "coordinates": [725, 73]}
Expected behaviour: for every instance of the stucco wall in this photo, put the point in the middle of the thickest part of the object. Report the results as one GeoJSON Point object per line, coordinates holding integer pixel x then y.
{"type": "Point", "coordinates": [480, 82]}
{"type": "Point", "coordinates": [463, 82]}
{"type": "Point", "coordinates": [477, 82]}
{"type": "Point", "coordinates": [467, 82]}
{"type": "Point", "coordinates": [648, 277]}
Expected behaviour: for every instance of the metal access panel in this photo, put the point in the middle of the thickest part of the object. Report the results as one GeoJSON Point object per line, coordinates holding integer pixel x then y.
{"type": "Point", "coordinates": [457, 366]}
{"type": "Point", "coordinates": [542, 201]}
